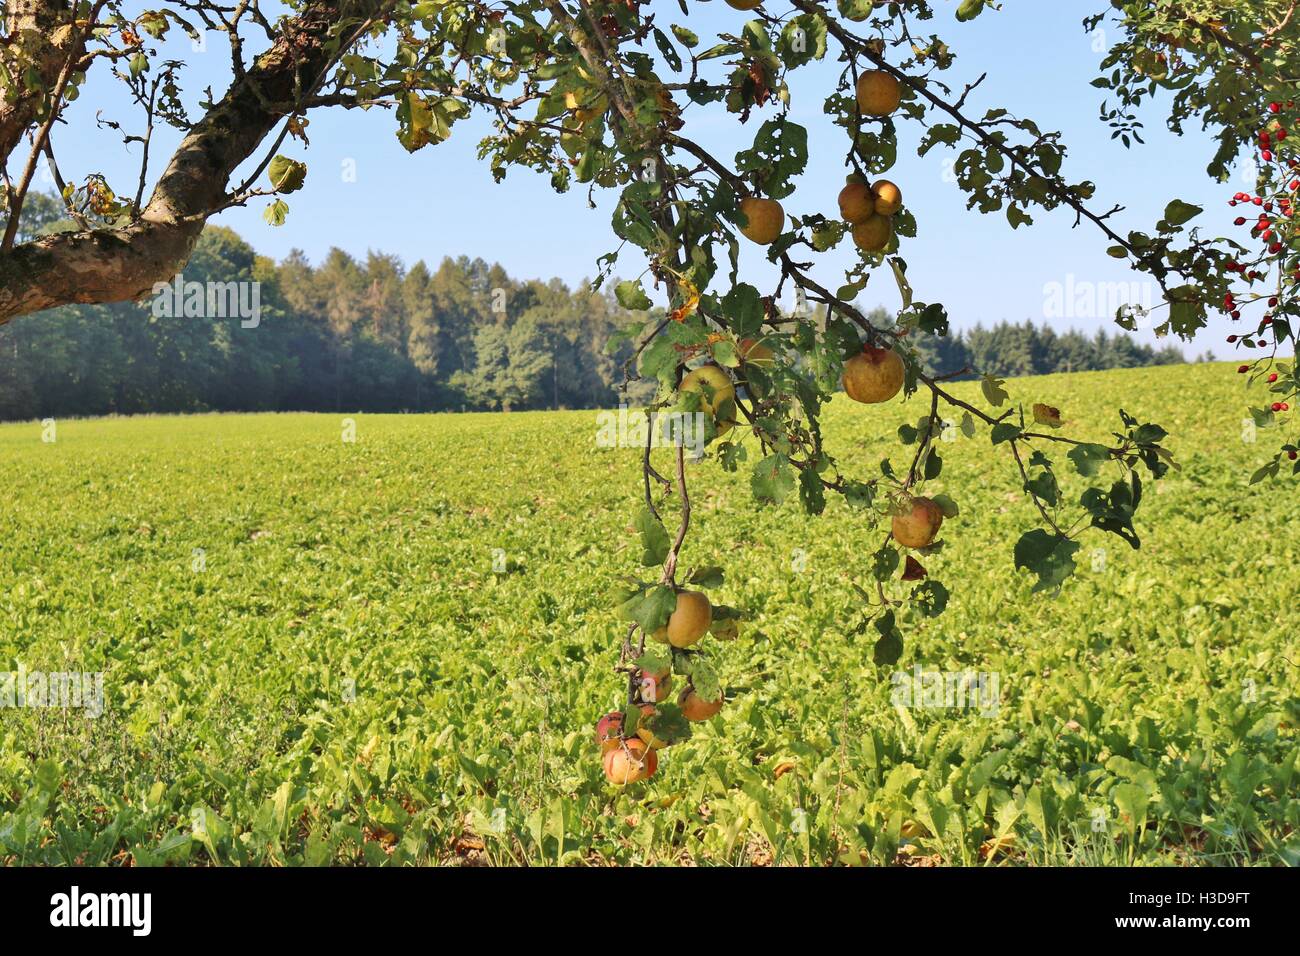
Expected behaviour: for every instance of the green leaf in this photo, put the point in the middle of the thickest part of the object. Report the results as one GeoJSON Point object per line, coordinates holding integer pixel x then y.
{"type": "Point", "coordinates": [1043, 487]}
{"type": "Point", "coordinates": [1004, 431]}
{"type": "Point", "coordinates": [884, 562]}
{"type": "Point", "coordinates": [889, 647]}
{"type": "Point", "coordinates": [899, 269]}
{"type": "Point", "coordinates": [931, 598]}
{"type": "Point", "coordinates": [858, 494]}
{"type": "Point", "coordinates": [994, 393]}
{"type": "Point", "coordinates": [1179, 212]}
{"type": "Point", "coordinates": [1269, 470]}
{"type": "Point", "coordinates": [659, 360]}
{"type": "Point", "coordinates": [773, 479]}
{"type": "Point", "coordinates": [1088, 459]}
{"type": "Point", "coordinates": [743, 306]}
{"type": "Point", "coordinates": [812, 495]}
{"type": "Point", "coordinates": [631, 296]}
{"type": "Point", "coordinates": [685, 37]}
{"type": "Point", "coordinates": [656, 659]}
{"type": "Point", "coordinates": [276, 212]}
{"type": "Point", "coordinates": [703, 677]}
{"type": "Point", "coordinates": [946, 505]}
{"type": "Point", "coordinates": [655, 543]}
{"type": "Point", "coordinates": [1049, 556]}
{"type": "Point", "coordinates": [668, 50]}
{"type": "Point", "coordinates": [1132, 802]}
{"type": "Point", "coordinates": [651, 608]}
{"type": "Point", "coordinates": [803, 39]}
{"type": "Point", "coordinates": [286, 175]}
{"type": "Point", "coordinates": [710, 576]}
{"type": "Point", "coordinates": [667, 723]}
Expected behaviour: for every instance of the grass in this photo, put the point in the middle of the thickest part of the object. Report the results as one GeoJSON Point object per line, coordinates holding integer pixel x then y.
{"type": "Point", "coordinates": [308, 656]}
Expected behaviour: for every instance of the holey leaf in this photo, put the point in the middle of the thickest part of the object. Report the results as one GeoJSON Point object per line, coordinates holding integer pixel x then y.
{"type": "Point", "coordinates": [1049, 556]}
{"type": "Point", "coordinates": [773, 479]}
{"type": "Point", "coordinates": [900, 276]}
{"type": "Point", "coordinates": [1088, 459]}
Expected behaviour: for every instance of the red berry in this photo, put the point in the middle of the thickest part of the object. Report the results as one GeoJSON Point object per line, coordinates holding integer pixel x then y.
{"type": "Point", "coordinates": [1275, 107]}
{"type": "Point", "coordinates": [1243, 369]}
{"type": "Point", "coordinates": [1239, 221]}
{"type": "Point", "coordinates": [1292, 455]}
{"type": "Point", "coordinates": [1272, 378]}
{"type": "Point", "coordinates": [1232, 338]}
{"type": "Point", "coordinates": [1277, 406]}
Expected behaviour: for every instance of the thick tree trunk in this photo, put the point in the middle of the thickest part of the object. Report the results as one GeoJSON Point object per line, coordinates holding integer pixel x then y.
{"type": "Point", "coordinates": [119, 264]}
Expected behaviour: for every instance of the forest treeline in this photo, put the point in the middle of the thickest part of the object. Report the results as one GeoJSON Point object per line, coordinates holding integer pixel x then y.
{"type": "Point", "coordinates": [371, 334]}
{"type": "Point", "coordinates": [1009, 349]}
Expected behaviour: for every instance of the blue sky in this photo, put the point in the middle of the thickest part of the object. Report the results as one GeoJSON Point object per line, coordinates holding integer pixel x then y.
{"type": "Point", "coordinates": [442, 201]}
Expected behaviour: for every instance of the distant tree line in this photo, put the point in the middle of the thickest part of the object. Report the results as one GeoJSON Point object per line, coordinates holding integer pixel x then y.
{"type": "Point", "coordinates": [1008, 349]}
{"type": "Point", "coordinates": [373, 335]}
{"type": "Point", "coordinates": [347, 335]}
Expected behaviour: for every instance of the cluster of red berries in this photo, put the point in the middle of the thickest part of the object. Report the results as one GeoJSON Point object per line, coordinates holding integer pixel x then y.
{"type": "Point", "coordinates": [1274, 227]}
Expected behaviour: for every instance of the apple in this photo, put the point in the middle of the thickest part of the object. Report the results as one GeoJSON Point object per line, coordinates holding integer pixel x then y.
{"type": "Point", "coordinates": [874, 375]}
{"type": "Point", "coordinates": [918, 526]}
{"type": "Point", "coordinates": [630, 762]}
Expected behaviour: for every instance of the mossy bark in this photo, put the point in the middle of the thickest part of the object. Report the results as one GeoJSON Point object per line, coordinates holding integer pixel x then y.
{"type": "Point", "coordinates": [124, 263]}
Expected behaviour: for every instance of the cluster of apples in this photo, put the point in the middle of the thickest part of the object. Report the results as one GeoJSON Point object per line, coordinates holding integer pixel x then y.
{"type": "Point", "coordinates": [876, 375]}
{"type": "Point", "coordinates": [630, 758]}
{"type": "Point", "coordinates": [869, 209]}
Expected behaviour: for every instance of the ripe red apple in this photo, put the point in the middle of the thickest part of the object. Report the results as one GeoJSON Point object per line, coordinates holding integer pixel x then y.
{"type": "Point", "coordinates": [918, 526]}
{"type": "Point", "coordinates": [630, 762]}
{"type": "Point", "coordinates": [608, 730]}
{"type": "Point", "coordinates": [695, 707]}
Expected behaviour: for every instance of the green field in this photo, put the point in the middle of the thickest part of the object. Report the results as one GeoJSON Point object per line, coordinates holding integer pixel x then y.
{"type": "Point", "coordinates": [340, 676]}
